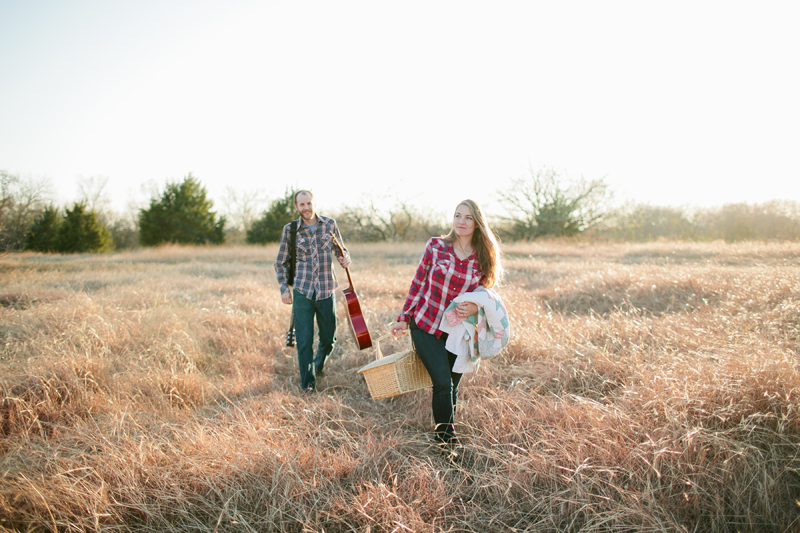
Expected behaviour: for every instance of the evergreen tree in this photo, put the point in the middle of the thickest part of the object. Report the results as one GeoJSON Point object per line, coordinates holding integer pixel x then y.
{"type": "Point", "coordinates": [182, 215]}
{"type": "Point", "coordinates": [269, 227]}
{"type": "Point", "coordinates": [43, 233]}
{"type": "Point", "coordinates": [81, 232]}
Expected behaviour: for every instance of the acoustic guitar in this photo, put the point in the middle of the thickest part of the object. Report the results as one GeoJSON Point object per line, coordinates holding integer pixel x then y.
{"type": "Point", "coordinates": [290, 337]}
{"type": "Point", "coordinates": [358, 326]}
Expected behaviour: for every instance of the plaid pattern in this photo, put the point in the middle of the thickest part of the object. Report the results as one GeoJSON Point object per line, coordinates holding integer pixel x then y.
{"type": "Point", "coordinates": [440, 277]}
{"type": "Point", "coordinates": [314, 274]}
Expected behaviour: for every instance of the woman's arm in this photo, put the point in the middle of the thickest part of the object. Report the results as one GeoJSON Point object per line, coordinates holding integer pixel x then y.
{"type": "Point", "coordinates": [418, 283]}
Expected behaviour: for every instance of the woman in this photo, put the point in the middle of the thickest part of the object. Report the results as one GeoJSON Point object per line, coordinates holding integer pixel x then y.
{"type": "Point", "coordinates": [461, 261]}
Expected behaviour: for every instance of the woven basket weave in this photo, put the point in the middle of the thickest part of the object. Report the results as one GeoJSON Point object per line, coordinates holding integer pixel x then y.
{"type": "Point", "coordinates": [396, 374]}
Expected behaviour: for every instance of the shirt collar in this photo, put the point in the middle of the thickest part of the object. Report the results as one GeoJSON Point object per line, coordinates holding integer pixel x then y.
{"type": "Point", "coordinates": [320, 220]}
{"type": "Point", "coordinates": [301, 224]}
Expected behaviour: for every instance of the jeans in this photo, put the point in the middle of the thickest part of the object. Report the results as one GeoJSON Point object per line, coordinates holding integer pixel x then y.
{"type": "Point", "coordinates": [439, 363]}
{"type": "Point", "coordinates": [305, 310]}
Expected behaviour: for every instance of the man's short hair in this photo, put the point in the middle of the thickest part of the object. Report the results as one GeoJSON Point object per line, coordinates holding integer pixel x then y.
{"type": "Point", "coordinates": [303, 191]}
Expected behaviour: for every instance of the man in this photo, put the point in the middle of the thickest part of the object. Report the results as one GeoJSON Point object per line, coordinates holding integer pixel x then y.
{"type": "Point", "coordinates": [314, 282]}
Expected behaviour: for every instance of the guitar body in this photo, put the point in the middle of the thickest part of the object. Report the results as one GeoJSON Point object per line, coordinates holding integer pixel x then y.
{"type": "Point", "coordinates": [358, 326]}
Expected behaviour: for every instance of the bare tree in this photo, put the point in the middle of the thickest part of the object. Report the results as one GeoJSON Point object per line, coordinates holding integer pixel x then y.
{"type": "Point", "coordinates": [641, 222]}
{"type": "Point", "coordinates": [123, 228]}
{"type": "Point", "coordinates": [21, 199]}
{"type": "Point", "coordinates": [546, 203]}
{"type": "Point", "coordinates": [773, 220]}
{"type": "Point", "coordinates": [8, 184]}
{"type": "Point", "coordinates": [385, 219]}
{"type": "Point", "coordinates": [92, 193]}
{"type": "Point", "coordinates": [242, 208]}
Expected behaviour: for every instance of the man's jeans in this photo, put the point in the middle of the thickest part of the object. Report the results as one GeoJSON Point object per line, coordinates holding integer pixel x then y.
{"type": "Point", "coordinates": [305, 309]}
{"type": "Point", "coordinates": [439, 363]}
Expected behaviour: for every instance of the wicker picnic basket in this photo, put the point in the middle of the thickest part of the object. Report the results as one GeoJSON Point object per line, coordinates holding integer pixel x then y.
{"type": "Point", "coordinates": [395, 374]}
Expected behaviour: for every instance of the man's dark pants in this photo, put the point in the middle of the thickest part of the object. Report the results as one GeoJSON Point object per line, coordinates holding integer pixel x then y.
{"type": "Point", "coordinates": [305, 310]}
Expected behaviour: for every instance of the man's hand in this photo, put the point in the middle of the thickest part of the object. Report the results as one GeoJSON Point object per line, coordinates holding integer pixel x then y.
{"type": "Point", "coordinates": [344, 261]}
{"type": "Point", "coordinates": [286, 297]}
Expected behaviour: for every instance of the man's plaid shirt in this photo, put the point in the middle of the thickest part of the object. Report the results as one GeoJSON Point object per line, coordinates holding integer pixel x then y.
{"type": "Point", "coordinates": [440, 277]}
{"type": "Point", "coordinates": [314, 264]}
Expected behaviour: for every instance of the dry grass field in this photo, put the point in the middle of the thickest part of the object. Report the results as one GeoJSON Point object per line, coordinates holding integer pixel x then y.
{"type": "Point", "coordinates": [648, 387]}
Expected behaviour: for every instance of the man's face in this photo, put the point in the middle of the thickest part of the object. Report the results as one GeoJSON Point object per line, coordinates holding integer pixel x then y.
{"type": "Point", "coordinates": [305, 205]}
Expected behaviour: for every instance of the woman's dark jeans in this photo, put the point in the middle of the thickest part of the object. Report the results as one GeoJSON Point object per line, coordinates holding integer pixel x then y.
{"type": "Point", "coordinates": [439, 363]}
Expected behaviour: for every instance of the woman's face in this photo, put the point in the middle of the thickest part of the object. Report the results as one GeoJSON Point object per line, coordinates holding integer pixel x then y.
{"type": "Point", "coordinates": [464, 222]}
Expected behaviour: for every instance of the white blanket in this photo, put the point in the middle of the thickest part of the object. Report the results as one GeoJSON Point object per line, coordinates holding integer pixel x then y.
{"type": "Point", "coordinates": [482, 335]}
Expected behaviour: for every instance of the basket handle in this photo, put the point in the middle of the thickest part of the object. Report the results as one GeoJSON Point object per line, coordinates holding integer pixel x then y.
{"type": "Point", "coordinates": [378, 352]}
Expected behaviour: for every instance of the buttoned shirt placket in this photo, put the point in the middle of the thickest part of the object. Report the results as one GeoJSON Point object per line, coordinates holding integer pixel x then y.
{"type": "Point", "coordinates": [314, 260]}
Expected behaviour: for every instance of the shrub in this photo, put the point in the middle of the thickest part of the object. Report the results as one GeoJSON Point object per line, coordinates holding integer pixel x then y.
{"type": "Point", "coordinates": [269, 227]}
{"type": "Point", "coordinates": [181, 215]}
{"type": "Point", "coordinates": [43, 233]}
{"type": "Point", "coordinates": [548, 204]}
{"type": "Point", "coordinates": [81, 232]}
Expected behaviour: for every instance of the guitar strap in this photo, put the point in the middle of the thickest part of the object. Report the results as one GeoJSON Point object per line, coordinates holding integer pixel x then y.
{"type": "Point", "coordinates": [292, 251]}
{"type": "Point", "coordinates": [290, 340]}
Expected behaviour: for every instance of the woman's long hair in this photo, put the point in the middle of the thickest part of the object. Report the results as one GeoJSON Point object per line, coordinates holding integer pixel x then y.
{"type": "Point", "coordinates": [485, 244]}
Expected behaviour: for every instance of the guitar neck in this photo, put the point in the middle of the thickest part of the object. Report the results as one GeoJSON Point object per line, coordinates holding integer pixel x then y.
{"type": "Point", "coordinates": [341, 251]}
{"type": "Point", "coordinates": [358, 325]}
{"type": "Point", "coordinates": [349, 279]}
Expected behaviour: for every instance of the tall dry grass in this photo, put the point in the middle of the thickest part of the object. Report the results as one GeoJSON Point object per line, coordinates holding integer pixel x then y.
{"type": "Point", "coordinates": [646, 388]}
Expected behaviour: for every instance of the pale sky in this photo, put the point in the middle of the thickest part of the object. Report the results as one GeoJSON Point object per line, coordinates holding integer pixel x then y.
{"type": "Point", "coordinates": [672, 103]}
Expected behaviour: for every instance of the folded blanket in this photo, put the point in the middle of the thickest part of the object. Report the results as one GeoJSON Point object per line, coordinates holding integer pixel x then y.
{"type": "Point", "coordinates": [482, 335]}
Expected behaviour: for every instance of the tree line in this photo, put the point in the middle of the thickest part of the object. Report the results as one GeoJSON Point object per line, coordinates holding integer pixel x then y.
{"type": "Point", "coordinates": [542, 204]}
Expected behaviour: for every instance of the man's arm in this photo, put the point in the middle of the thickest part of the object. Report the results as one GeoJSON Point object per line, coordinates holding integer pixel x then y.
{"type": "Point", "coordinates": [282, 267]}
{"type": "Point", "coordinates": [344, 256]}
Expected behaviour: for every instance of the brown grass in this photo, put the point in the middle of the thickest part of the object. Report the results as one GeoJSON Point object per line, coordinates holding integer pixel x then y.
{"type": "Point", "coordinates": [646, 388]}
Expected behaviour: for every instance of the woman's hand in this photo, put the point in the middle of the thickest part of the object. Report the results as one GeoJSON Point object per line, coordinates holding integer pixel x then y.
{"type": "Point", "coordinates": [399, 329]}
{"type": "Point", "coordinates": [465, 309]}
